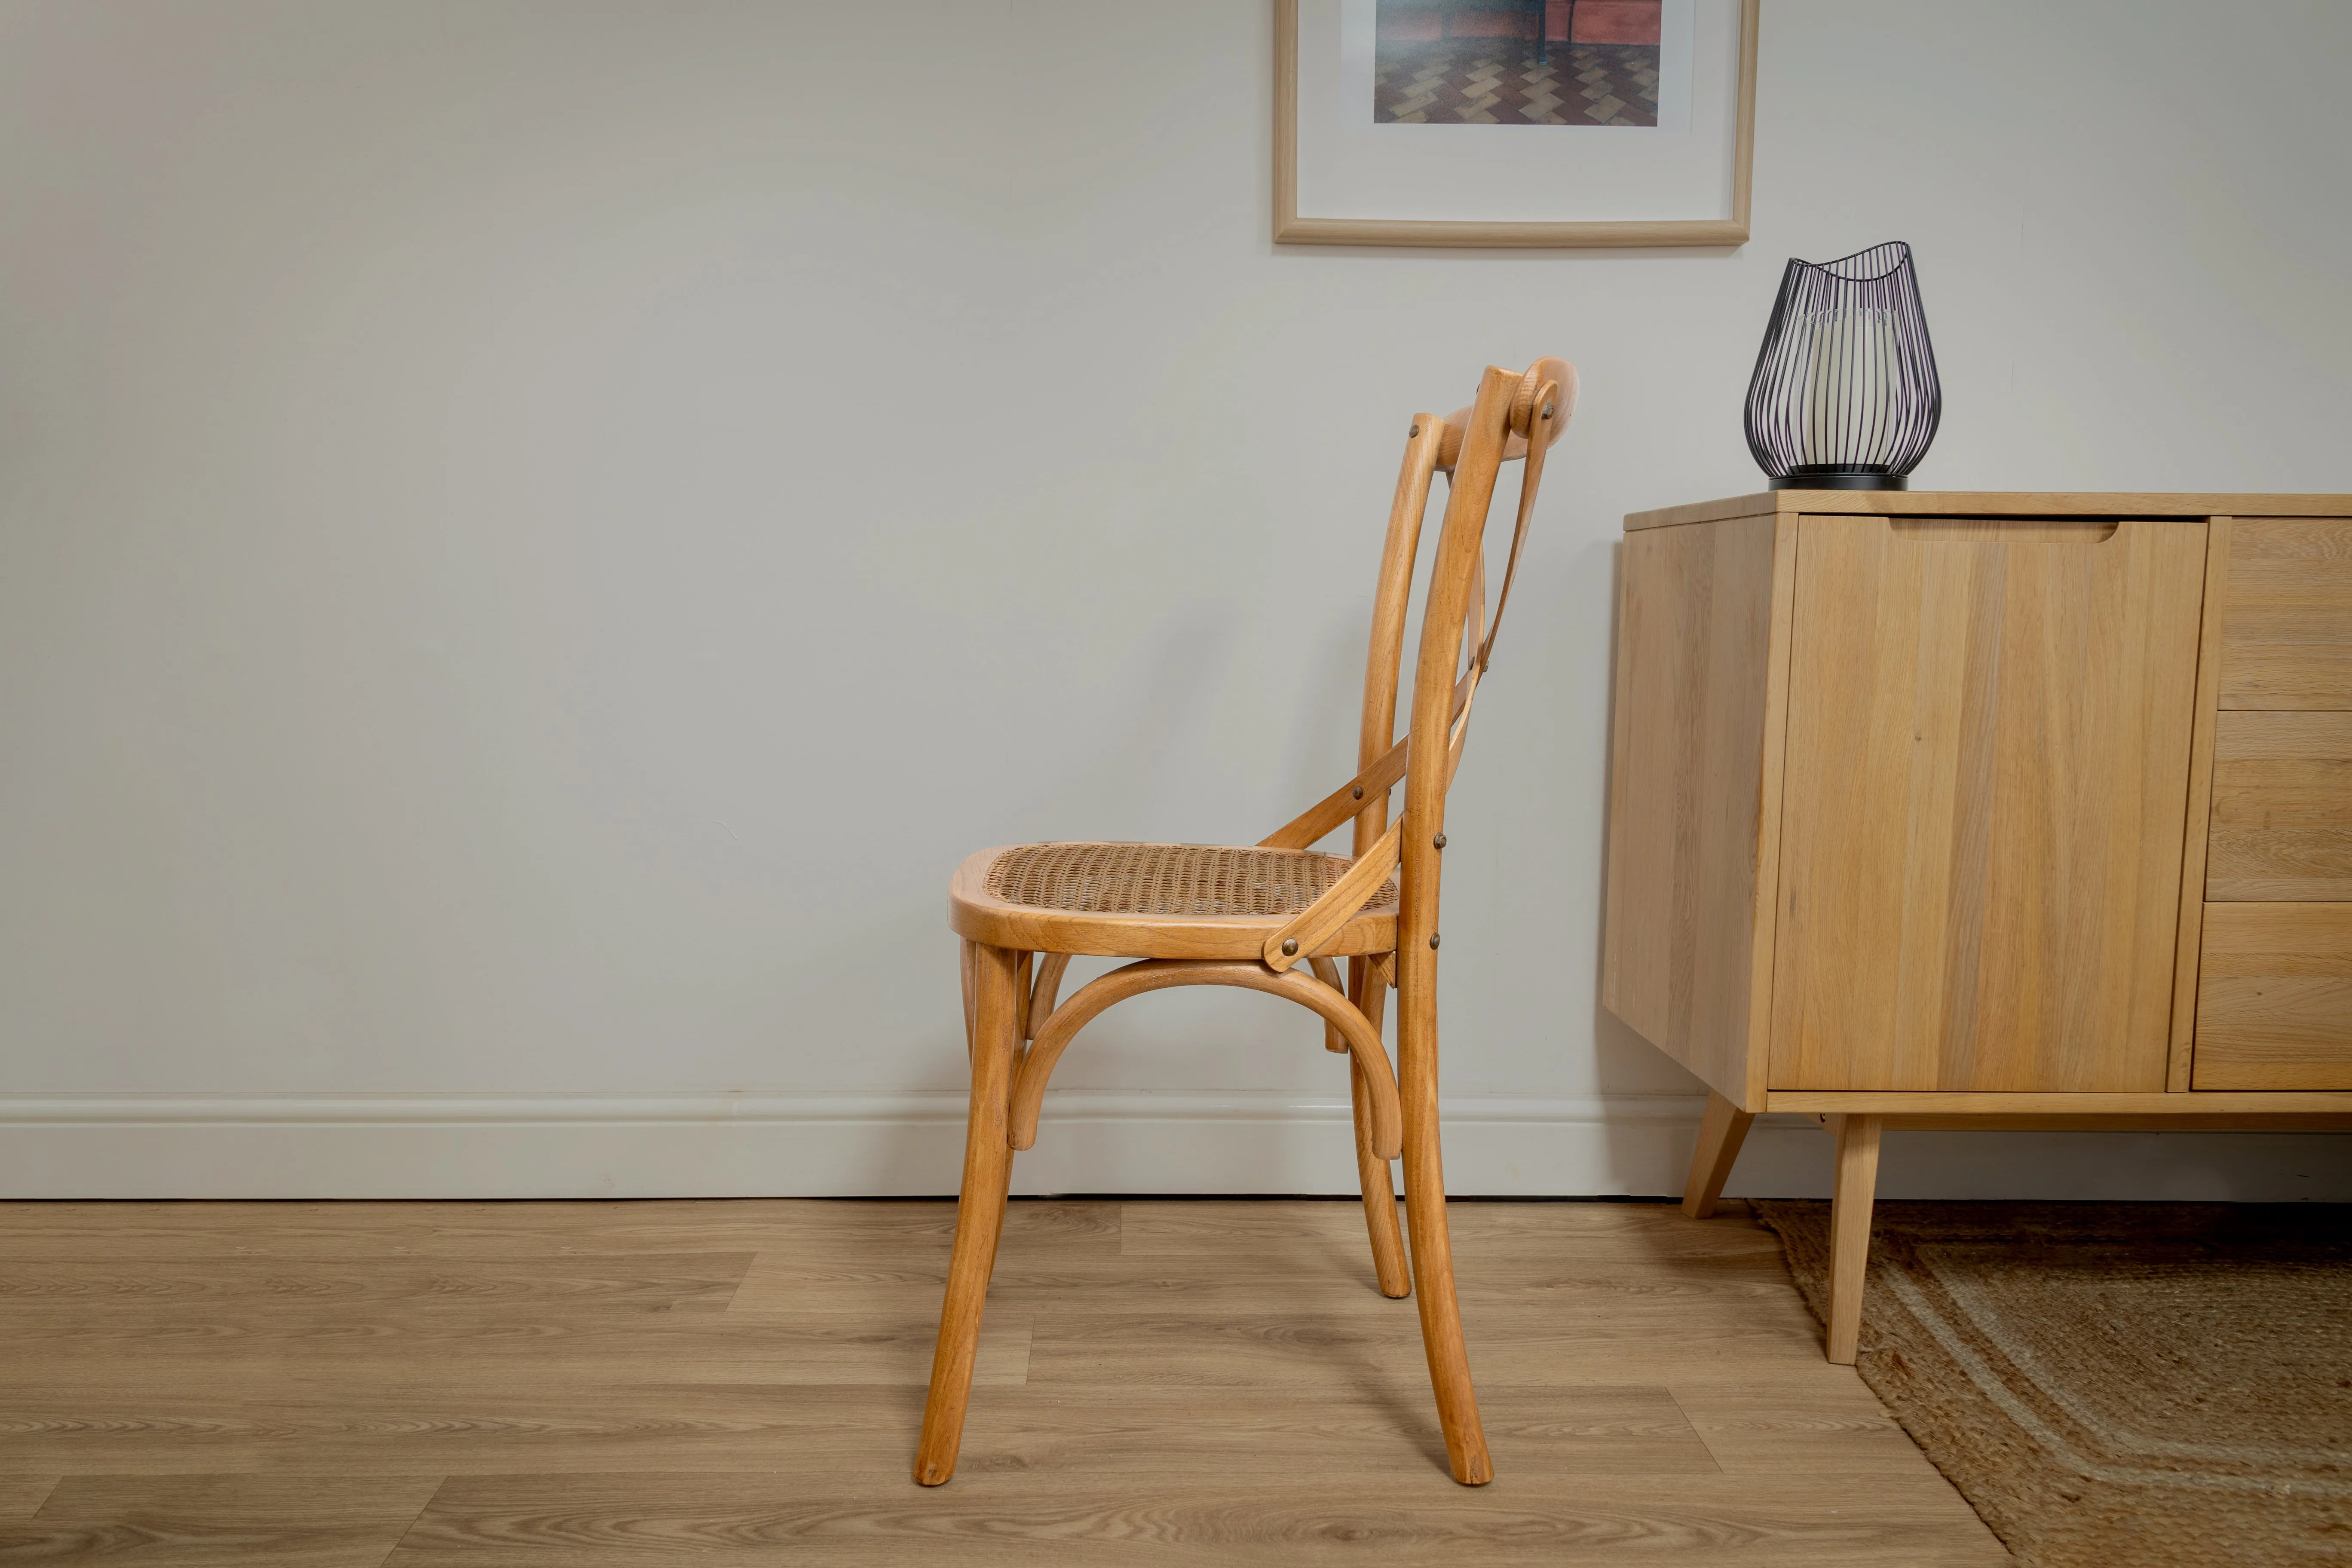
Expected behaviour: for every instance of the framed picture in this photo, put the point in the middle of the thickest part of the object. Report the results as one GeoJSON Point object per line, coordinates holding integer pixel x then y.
{"type": "Point", "coordinates": [1513, 122]}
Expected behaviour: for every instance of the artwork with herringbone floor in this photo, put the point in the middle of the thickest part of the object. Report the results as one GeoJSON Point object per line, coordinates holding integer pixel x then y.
{"type": "Point", "coordinates": [1499, 81]}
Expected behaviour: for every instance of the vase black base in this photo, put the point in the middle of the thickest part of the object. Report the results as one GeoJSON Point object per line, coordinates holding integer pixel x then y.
{"type": "Point", "coordinates": [1844, 482]}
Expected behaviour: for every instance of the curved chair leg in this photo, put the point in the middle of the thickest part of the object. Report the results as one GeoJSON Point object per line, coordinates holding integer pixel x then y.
{"type": "Point", "coordinates": [980, 1213]}
{"type": "Point", "coordinates": [965, 963]}
{"type": "Point", "coordinates": [1023, 996]}
{"type": "Point", "coordinates": [1432, 1250]}
{"type": "Point", "coordinates": [1372, 1170]}
{"type": "Point", "coordinates": [1055, 1035]}
{"type": "Point", "coordinates": [1379, 1196]}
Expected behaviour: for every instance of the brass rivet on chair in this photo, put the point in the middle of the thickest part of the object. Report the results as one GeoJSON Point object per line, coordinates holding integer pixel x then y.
{"type": "Point", "coordinates": [1439, 841]}
{"type": "Point", "coordinates": [1414, 431]}
{"type": "Point", "coordinates": [1359, 792]}
{"type": "Point", "coordinates": [1432, 942]}
{"type": "Point", "coordinates": [1547, 413]}
{"type": "Point", "coordinates": [1290, 947]}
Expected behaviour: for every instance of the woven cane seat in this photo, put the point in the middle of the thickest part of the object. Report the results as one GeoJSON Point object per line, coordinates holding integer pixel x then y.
{"type": "Point", "coordinates": [1167, 878]}
{"type": "Point", "coordinates": [1171, 901]}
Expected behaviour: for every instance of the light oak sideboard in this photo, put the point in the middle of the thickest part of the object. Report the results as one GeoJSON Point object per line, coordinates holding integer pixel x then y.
{"type": "Point", "coordinates": [1984, 810]}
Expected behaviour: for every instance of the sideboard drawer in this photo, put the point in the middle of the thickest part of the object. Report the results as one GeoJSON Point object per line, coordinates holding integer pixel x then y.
{"type": "Point", "coordinates": [2275, 997]}
{"type": "Point", "coordinates": [2287, 637]}
{"type": "Point", "coordinates": [2282, 825]}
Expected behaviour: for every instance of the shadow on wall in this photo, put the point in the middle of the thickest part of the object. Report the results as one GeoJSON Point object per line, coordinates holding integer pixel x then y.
{"type": "Point", "coordinates": [1791, 1156]}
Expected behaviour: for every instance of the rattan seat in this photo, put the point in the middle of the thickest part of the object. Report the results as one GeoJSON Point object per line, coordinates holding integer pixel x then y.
{"type": "Point", "coordinates": [1154, 900]}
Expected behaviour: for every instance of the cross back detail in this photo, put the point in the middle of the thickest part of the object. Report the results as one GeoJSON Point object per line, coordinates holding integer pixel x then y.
{"type": "Point", "coordinates": [1541, 399]}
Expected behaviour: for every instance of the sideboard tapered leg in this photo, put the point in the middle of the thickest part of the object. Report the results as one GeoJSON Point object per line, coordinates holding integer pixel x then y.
{"type": "Point", "coordinates": [1719, 1138]}
{"type": "Point", "coordinates": [1857, 1186]}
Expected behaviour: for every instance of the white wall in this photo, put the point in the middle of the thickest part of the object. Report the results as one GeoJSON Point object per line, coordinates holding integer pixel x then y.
{"type": "Point", "coordinates": [533, 536]}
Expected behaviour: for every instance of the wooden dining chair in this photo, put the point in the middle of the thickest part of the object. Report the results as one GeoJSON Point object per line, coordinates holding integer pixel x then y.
{"type": "Point", "coordinates": [1252, 916]}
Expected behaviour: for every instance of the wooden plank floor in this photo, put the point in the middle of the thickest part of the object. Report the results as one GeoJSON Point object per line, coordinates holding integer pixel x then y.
{"type": "Point", "coordinates": [530, 1384]}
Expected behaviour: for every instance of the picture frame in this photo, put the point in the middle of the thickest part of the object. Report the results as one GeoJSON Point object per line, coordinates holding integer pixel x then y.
{"type": "Point", "coordinates": [1350, 197]}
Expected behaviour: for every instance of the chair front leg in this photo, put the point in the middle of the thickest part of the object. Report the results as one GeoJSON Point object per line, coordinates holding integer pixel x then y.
{"type": "Point", "coordinates": [979, 1212]}
{"type": "Point", "coordinates": [1433, 1247]}
{"type": "Point", "coordinates": [964, 962]}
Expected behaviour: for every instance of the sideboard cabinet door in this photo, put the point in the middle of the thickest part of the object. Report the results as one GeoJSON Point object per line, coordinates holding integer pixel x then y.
{"type": "Point", "coordinates": [1985, 791]}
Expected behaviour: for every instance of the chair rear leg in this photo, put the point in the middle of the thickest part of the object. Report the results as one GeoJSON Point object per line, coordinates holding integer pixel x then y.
{"type": "Point", "coordinates": [980, 1213]}
{"type": "Point", "coordinates": [1372, 1173]}
{"type": "Point", "coordinates": [1380, 1196]}
{"type": "Point", "coordinates": [1433, 1263]}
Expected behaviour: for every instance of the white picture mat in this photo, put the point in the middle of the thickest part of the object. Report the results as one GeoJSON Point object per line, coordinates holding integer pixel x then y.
{"type": "Point", "coordinates": [1681, 169]}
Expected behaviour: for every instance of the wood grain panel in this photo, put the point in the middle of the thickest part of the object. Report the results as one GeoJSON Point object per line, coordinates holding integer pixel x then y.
{"type": "Point", "coordinates": [2284, 737]}
{"type": "Point", "coordinates": [2287, 642]}
{"type": "Point", "coordinates": [1701, 639]}
{"type": "Point", "coordinates": [1750, 1432]}
{"type": "Point", "coordinates": [1532, 1347]}
{"type": "Point", "coordinates": [191, 1288]}
{"type": "Point", "coordinates": [1986, 799]}
{"type": "Point", "coordinates": [2274, 999]}
{"type": "Point", "coordinates": [575, 1419]}
{"type": "Point", "coordinates": [2280, 864]}
{"type": "Point", "coordinates": [1536, 1273]}
{"type": "Point", "coordinates": [822, 1435]}
{"type": "Point", "coordinates": [2282, 808]}
{"type": "Point", "coordinates": [1519, 1243]}
{"type": "Point", "coordinates": [261, 1235]}
{"type": "Point", "coordinates": [1180, 1518]}
{"type": "Point", "coordinates": [159, 1350]}
{"type": "Point", "coordinates": [232, 1521]}
{"type": "Point", "coordinates": [348, 1422]}
{"type": "Point", "coordinates": [20, 1495]}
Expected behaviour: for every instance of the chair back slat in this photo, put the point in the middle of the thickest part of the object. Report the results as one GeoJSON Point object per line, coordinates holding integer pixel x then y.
{"type": "Point", "coordinates": [1392, 601]}
{"type": "Point", "coordinates": [1515, 416]}
{"type": "Point", "coordinates": [1537, 404]}
{"type": "Point", "coordinates": [1445, 612]}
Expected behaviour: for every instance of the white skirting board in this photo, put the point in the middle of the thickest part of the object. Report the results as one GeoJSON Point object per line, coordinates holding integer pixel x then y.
{"type": "Point", "coordinates": [894, 1145]}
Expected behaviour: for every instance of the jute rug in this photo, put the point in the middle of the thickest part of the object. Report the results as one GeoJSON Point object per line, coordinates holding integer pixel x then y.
{"type": "Point", "coordinates": [2121, 1385]}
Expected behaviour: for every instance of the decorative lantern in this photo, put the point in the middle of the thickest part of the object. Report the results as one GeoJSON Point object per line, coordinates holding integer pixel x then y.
{"type": "Point", "coordinates": [1845, 395]}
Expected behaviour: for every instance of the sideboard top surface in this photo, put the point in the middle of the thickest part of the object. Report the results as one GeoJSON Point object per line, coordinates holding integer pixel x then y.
{"type": "Point", "coordinates": [1994, 503]}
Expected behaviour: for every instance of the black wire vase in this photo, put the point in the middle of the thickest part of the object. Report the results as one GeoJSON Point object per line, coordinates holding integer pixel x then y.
{"type": "Point", "coordinates": [1845, 395]}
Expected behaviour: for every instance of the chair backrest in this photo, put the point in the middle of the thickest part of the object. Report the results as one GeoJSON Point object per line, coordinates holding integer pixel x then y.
{"type": "Point", "coordinates": [1532, 408]}
{"type": "Point", "coordinates": [1516, 417]}
{"type": "Point", "coordinates": [1470, 445]}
